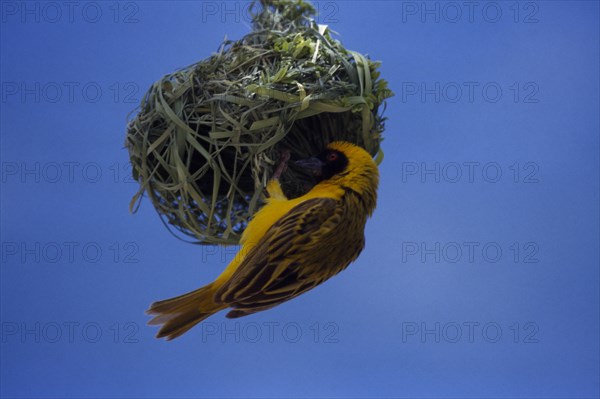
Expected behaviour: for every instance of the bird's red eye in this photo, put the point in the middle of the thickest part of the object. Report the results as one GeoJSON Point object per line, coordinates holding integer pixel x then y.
{"type": "Point", "coordinates": [332, 156]}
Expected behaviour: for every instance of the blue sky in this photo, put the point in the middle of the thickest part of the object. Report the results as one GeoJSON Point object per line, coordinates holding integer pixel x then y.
{"type": "Point", "coordinates": [480, 277]}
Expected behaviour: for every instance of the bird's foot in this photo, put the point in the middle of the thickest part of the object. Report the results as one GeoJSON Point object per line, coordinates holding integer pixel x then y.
{"type": "Point", "coordinates": [284, 157]}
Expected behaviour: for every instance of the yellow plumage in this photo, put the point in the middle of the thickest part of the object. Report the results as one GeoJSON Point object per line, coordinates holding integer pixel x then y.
{"type": "Point", "coordinates": [289, 246]}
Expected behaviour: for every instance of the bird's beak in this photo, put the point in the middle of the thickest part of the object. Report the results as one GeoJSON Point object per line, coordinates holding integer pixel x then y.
{"type": "Point", "coordinates": [315, 165]}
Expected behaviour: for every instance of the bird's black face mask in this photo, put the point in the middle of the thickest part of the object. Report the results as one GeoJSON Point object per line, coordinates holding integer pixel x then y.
{"type": "Point", "coordinates": [326, 165]}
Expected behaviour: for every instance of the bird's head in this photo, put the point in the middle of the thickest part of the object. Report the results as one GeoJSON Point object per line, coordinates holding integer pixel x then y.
{"type": "Point", "coordinates": [347, 165]}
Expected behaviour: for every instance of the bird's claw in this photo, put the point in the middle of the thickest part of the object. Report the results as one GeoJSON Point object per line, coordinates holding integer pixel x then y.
{"type": "Point", "coordinates": [284, 157]}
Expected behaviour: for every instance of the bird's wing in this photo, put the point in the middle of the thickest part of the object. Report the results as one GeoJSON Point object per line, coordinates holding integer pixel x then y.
{"type": "Point", "coordinates": [290, 259]}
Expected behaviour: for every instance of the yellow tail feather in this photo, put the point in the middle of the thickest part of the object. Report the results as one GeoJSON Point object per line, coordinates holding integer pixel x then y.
{"type": "Point", "coordinates": [177, 315]}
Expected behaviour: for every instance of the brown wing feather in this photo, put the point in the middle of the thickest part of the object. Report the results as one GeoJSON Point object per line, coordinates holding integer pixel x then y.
{"type": "Point", "coordinates": [310, 244]}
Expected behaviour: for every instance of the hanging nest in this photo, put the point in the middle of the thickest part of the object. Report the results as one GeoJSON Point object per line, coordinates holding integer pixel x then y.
{"type": "Point", "coordinates": [206, 138]}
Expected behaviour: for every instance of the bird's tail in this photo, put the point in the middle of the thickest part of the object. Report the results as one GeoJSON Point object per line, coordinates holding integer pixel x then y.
{"type": "Point", "coordinates": [177, 315]}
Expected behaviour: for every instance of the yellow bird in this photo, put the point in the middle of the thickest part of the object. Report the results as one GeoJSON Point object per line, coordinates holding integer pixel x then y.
{"type": "Point", "coordinates": [290, 246]}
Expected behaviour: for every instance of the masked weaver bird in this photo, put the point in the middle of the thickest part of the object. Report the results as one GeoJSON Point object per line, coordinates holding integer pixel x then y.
{"type": "Point", "coordinates": [290, 246]}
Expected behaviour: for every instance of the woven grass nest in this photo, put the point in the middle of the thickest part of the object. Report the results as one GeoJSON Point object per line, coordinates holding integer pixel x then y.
{"type": "Point", "coordinates": [206, 138]}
